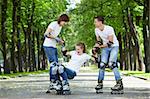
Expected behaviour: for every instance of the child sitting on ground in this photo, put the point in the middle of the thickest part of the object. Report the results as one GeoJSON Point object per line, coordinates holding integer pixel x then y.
{"type": "Point", "coordinates": [70, 70]}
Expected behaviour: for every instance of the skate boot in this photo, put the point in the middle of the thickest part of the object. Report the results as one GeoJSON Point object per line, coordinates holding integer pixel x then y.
{"type": "Point", "coordinates": [118, 88]}
{"type": "Point", "coordinates": [58, 87]}
{"type": "Point", "coordinates": [66, 88]}
{"type": "Point", "coordinates": [51, 86]}
{"type": "Point", "coordinates": [99, 87]}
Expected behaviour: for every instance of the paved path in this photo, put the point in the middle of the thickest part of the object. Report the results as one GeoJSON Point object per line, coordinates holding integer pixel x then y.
{"type": "Point", "coordinates": [82, 87]}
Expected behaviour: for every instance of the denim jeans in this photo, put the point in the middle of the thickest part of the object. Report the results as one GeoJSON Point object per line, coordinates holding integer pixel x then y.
{"type": "Point", "coordinates": [52, 56]}
{"type": "Point", "coordinates": [109, 55]}
{"type": "Point", "coordinates": [51, 53]}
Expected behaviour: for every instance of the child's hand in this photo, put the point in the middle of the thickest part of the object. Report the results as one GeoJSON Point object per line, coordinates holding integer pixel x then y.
{"type": "Point", "coordinates": [96, 45]}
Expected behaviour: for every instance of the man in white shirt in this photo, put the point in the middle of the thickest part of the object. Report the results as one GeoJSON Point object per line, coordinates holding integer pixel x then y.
{"type": "Point", "coordinates": [110, 48]}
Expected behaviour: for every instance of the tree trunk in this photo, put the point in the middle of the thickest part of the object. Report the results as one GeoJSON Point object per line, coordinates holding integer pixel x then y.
{"type": "Point", "coordinates": [135, 38]}
{"type": "Point", "coordinates": [30, 25]}
{"type": "Point", "coordinates": [120, 50]}
{"type": "Point", "coordinates": [4, 36]}
{"type": "Point", "coordinates": [33, 52]}
{"type": "Point", "coordinates": [146, 34]}
{"type": "Point", "coordinates": [13, 38]}
{"type": "Point", "coordinates": [19, 58]}
{"type": "Point", "coordinates": [38, 48]}
{"type": "Point", "coordinates": [25, 50]}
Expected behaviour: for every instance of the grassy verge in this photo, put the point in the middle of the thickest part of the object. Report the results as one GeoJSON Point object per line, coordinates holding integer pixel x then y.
{"type": "Point", "coordinates": [88, 69]}
{"type": "Point", "coordinates": [137, 74]}
{"type": "Point", "coordinates": [7, 76]}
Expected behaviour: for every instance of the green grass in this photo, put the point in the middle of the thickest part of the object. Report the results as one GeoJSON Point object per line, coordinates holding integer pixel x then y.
{"type": "Point", "coordinates": [88, 69]}
{"type": "Point", "coordinates": [137, 73]}
{"type": "Point", "coordinates": [7, 76]}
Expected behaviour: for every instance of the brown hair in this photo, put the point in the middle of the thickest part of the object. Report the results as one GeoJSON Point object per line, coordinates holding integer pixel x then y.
{"type": "Point", "coordinates": [99, 18]}
{"type": "Point", "coordinates": [82, 45]}
{"type": "Point", "coordinates": [63, 17]}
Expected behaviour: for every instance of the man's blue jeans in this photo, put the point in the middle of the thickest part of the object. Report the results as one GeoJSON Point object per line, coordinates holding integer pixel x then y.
{"type": "Point", "coordinates": [52, 56]}
{"type": "Point", "coordinates": [109, 55]}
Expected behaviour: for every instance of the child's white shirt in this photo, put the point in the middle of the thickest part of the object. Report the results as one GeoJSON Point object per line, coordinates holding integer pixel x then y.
{"type": "Point", "coordinates": [77, 61]}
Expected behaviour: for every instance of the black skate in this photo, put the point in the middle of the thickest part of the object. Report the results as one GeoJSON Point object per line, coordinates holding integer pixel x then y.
{"type": "Point", "coordinates": [58, 89]}
{"type": "Point", "coordinates": [65, 88]}
{"type": "Point", "coordinates": [99, 87]}
{"type": "Point", "coordinates": [118, 88]}
{"type": "Point", "coordinates": [51, 87]}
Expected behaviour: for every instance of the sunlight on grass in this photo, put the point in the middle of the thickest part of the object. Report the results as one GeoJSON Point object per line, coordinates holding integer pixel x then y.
{"type": "Point", "coordinates": [137, 73]}
{"type": "Point", "coordinates": [6, 76]}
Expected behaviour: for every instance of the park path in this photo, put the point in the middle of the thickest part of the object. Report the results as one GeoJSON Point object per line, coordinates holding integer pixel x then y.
{"type": "Point", "coordinates": [82, 87]}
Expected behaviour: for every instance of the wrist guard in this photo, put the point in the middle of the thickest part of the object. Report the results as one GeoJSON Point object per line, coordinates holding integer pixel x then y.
{"type": "Point", "coordinates": [95, 50]}
{"type": "Point", "coordinates": [58, 39]}
{"type": "Point", "coordinates": [110, 43]}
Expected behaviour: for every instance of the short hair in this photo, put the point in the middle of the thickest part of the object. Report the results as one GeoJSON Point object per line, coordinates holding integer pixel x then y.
{"type": "Point", "coordinates": [99, 18]}
{"type": "Point", "coordinates": [82, 45]}
{"type": "Point", "coordinates": [63, 17]}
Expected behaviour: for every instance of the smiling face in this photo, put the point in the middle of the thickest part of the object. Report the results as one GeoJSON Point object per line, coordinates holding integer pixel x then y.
{"type": "Point", "coordinates": [97, 23]}
{"type": "Point", "coordinates": [63, 23]}
{"type": "Point", "coordinates": [79, 50]}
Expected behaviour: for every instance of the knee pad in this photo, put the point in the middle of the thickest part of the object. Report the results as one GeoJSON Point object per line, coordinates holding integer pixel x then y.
{"type": "Point", "coordinates": [53, 64]}
{"type": "Point", "coordinates": [112, 65]}
{"type": "Point", "coordinates": [54, 68]}
{"type": "Point", "coordinates": [102, 65]}
{"type": "Point", "coordinates": [61, 69]}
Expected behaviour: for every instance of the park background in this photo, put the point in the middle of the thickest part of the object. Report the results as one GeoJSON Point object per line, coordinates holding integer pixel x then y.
{"type": "Point", "coordinates": [23, 23]}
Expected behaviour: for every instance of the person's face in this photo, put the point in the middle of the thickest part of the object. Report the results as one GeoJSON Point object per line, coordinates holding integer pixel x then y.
{"type": "Point", "coordinates": [97, 23]}
{"type": "Point", "coordinates": [79, 50]}
{"type": "Point", "coordinates": [63, 23]}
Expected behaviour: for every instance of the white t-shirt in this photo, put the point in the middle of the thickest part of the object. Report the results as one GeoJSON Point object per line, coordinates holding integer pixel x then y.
{"type": "Point", "coordinates": [56, 28]}
{"type": "Point", "coordinates": [108, 30]}
{"type": "Point", "coordinates": [77, 61]}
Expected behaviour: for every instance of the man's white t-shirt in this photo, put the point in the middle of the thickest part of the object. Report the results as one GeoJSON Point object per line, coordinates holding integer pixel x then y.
{"type": "Point", "coordinates": [77, 61]}
{"type": "Point", "coordinates": [56, 29]}
{"type": "Point", "coordinates": [108, 30]}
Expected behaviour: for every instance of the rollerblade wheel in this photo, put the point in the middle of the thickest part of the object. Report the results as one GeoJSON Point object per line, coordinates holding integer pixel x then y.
{"type": "Point", "coordinates": [48, 91]}
{"type": "Point", "coordinates": [59, 92]}
{"type": "Point", "coordinates": [66, 92]}
{"type": "Point", "coordinates": [117, 92]}
{"type": "Point", "coordinates": [99, 91]}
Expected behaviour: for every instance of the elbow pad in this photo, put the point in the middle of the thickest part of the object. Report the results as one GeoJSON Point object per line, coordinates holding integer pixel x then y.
{"type": "Point", "coordinates": [46, 35]}
{"type": "Point", "coordinates": [99, 42]}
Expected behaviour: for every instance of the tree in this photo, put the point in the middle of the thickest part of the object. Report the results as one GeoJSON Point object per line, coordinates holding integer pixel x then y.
{"type": "Point", "coordinates": [4, 36]}
{"type": "Point", "coordinates": [146, 33]}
